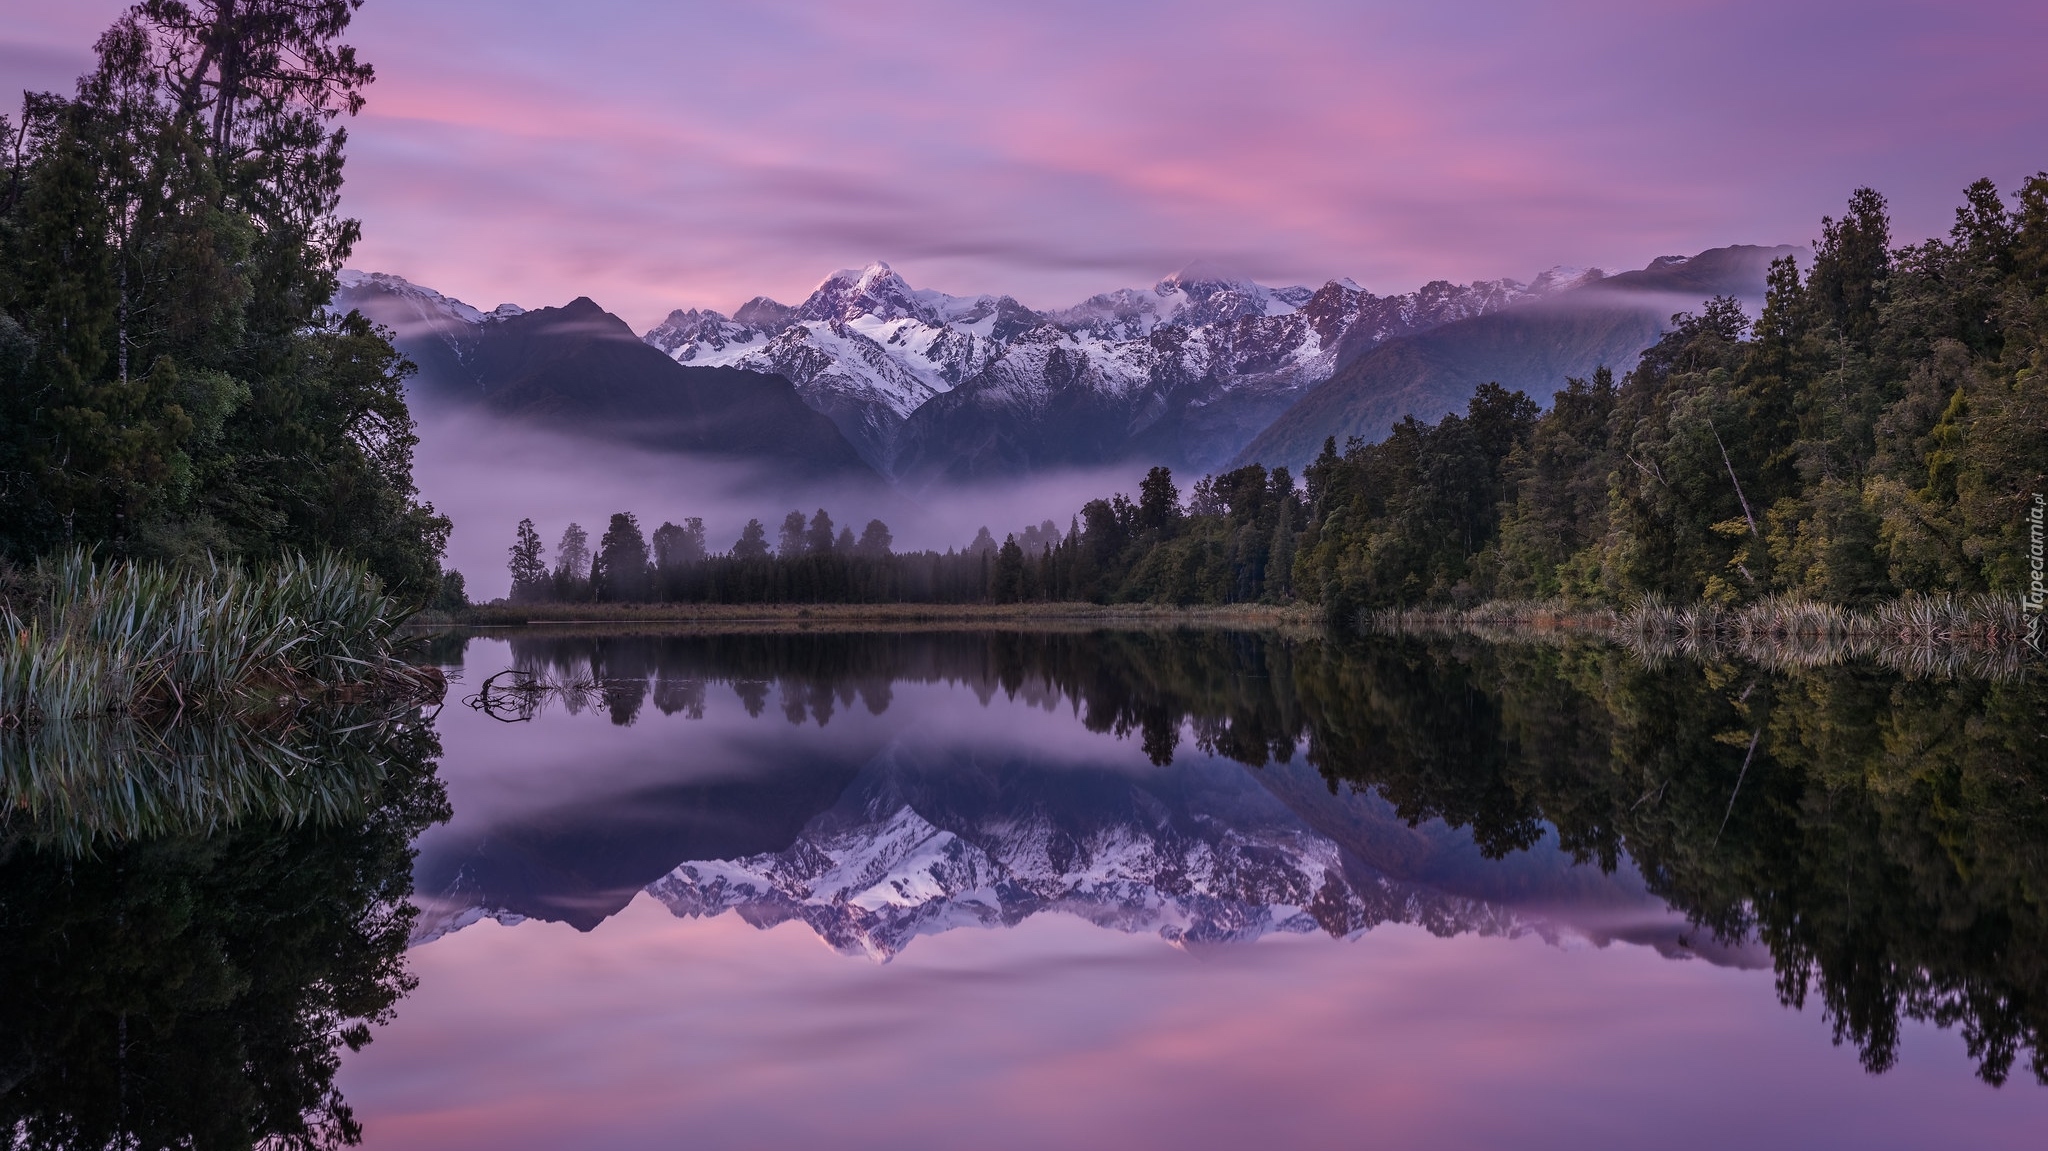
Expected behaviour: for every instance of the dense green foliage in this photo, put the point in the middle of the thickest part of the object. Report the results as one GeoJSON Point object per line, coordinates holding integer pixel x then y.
{"type": "Point", "coordinates": [1879, 430]}
{"type": "Point", "coordinates": [171, 384]}
{"type": "Point", "coordinates": [143, 639]}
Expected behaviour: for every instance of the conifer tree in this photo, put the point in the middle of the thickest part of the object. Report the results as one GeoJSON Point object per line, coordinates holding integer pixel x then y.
{"type": "Point", "coordinates": [572, 562]}
{"type": "Point", "coordinates": [753, 542]}
{"type": "Point", "coordinates": [875, 541]}
{"type": "Point", "coordinates": [819, 537]}
{"type": "Point", "coordinates": [791, 541]}
{"type": "Point", "coordinates": [528, 564]}
{"type": "Point", "coordinates": [619, 573]}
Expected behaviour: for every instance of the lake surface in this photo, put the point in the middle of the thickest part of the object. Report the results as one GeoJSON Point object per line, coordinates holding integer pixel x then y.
{"type": "Point", "coordinates": [1100, 889]}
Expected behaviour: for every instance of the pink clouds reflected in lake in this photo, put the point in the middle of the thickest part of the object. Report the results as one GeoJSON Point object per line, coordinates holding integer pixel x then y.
{"type": "Point", "coordinates": [1069, 888]}
{"type": "Point", "coordinates": [657, 1032]}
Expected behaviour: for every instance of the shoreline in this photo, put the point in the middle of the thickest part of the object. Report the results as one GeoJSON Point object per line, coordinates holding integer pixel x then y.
{"type": "Point", "coordinates": [726, 616]}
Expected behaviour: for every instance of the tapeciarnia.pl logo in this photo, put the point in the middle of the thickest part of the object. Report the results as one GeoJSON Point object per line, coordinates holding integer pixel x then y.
{"type": "Point", "coordinates": [2037, 590]}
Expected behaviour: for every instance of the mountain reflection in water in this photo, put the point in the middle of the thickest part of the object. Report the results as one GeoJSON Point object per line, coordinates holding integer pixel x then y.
{"type": "Point", "coordinates": [1879, 841]}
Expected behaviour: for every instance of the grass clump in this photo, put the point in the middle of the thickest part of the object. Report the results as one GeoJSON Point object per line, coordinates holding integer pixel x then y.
{"type": "Point", "coordinates": [110, 638]}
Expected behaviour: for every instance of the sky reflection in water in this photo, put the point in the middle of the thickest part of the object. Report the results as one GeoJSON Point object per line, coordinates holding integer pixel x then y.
{"type": "Point", "coordinates": [1528, 1020]}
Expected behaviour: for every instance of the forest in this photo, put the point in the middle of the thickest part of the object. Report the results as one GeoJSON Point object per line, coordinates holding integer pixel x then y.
{"type": "Point", "coordinates": [1881, 429]}
{"type": "Point", "coordinates": [173, 386]}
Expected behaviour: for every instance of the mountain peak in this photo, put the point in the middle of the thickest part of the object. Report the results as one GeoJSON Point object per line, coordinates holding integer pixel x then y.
{"type": "Point", "coordinates": [851, 293]}
{"type": "Point", "coordinates": [1563, 277]}
{"type": "Point", "coordinates": [424, 302]}
{"type": "Point", "coordinates": [1205, 271]}
{"type": "Point", "coordinates": [585, 315]}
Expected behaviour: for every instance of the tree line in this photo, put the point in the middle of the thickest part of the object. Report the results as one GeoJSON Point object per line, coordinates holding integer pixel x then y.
{"type": "Point", "coordinates": [1233, 542]}
{"type": "Point", "coordinates": [1880, 429]}
{"type": "Point", "coordinates": [172, 383]}
{"type": "Point", "coordinates": [1879, 833]}
{"type": "Point", "coordinates": [810, 560]}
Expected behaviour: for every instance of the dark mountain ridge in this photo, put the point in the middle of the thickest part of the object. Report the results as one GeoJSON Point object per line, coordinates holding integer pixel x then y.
{"type": "Point", "coordinates": [1533, 346]}
{"type": "Point", "coordinates": [580, 369]}
{"type": "Point", "coordinates": [869, 376]}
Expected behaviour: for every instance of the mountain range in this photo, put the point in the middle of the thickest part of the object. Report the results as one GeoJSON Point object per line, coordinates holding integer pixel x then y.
{"type": "Point", "coordinates": [880, 788]}
{"type": "Point", "coordinates": [580, 369]}
{"type": "Point", "coordinates": [1203, 370]}
{"type": "Point", "coordinates": [916, 842]}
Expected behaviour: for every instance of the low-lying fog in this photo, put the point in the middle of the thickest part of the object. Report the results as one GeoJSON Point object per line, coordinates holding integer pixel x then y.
{"type": "Point", "coordinates": [486, 475]}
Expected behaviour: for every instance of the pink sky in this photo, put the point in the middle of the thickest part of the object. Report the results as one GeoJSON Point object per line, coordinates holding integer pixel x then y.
{"type": "Point", "coordinates": [658, 1032]}
{"type": "Point", "coordinates": [652, 155]}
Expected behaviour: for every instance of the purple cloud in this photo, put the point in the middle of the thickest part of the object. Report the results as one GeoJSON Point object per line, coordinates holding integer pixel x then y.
{"type": "Point", "coordinates": [653, 155]}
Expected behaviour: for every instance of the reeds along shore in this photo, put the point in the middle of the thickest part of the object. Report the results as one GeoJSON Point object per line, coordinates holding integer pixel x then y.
{"type": "Point", "coordinates": [1979, 635]}
{"type": "Point", "coordinates": [72, 786]}
{"type": "Point", "coordinates": [152, 641]}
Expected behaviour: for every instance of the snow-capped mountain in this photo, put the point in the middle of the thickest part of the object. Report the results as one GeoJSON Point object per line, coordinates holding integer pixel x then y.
{"type": "Point", "coordinates": [1185, 372]}
{"type": "Point", "coordinates": [580, 369]}
{"type": "Point", "coordinates": [429, 305]}
{"type": "Point", "coordinates": [438, 332]}
{"type": "Point", "coordinates": [1201, 371]}
{"type": "Point", "coordinates": [1208, 853]}
{"type": "Point", "coordinates": [872, 887]}
{"type": "Point", "coordinates": [864, 348]}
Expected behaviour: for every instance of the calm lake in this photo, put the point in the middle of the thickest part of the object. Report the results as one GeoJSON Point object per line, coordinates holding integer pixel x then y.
{"type": "Point", "coordinates": [1057, 888]}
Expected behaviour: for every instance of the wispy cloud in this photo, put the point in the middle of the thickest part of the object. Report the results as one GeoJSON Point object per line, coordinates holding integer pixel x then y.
{"type": "Point", "coordinates": [659, 154]}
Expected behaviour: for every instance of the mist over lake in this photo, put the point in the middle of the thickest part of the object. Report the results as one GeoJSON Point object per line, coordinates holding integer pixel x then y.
{"type": "Point", "coordinates": [899, 575]}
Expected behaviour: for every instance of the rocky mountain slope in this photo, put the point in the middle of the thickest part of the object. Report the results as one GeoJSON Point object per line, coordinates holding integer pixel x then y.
{"type": "Point", "coordinates": [580, 369]}
{"type": "Point", "coordinates": [1200, 371]}
{"type": "Point", "coordinates": [932, 387]}
{"type": "Point", "coordinates": [1534, 344]}
{"type": "Point", "coordinates": [919, 842]}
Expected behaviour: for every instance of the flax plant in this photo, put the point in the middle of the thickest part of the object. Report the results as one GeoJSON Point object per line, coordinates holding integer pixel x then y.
{"type": "Point", "coordinates": [73, 786]}
{"type": "Point", "coordinates": [150, 640]}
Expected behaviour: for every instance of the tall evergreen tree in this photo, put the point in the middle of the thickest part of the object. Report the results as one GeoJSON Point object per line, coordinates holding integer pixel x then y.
{"type": "Point", "coordinates": [792, 540]}
{"type": "Point", "coordinates": [528, 564]}
{"type": "Point", "coordinates": [572, 562]}
{"type": "Point", "coordinates": [753, 542]}
{"type": "Point", "coordinates": [619, 573]}
{"type": "Point", "coordinates": [168, 243]}
{"type": "Point", "coordinates": [819, 538]}
{"type": "Point", "coordinates": [875, 541]}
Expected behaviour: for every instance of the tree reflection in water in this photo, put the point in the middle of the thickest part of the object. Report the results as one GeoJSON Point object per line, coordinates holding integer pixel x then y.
{"type": "Point", "coordinates": [1884, 835]}
{"type": "Point", "coordinates": [194, 931]}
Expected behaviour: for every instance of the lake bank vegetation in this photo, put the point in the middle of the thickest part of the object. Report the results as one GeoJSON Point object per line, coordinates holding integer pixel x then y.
{"type": "Point", "coordinates": [88, 639]}
{"type": "Point", "coordinates": [173, 385]}
{"type": "Point", "coordinates": [1869, 446]}
{"type": "Point", "coordinates": [1943, 634]}
{"type": "Point", "coordinates": [1884, 836]}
